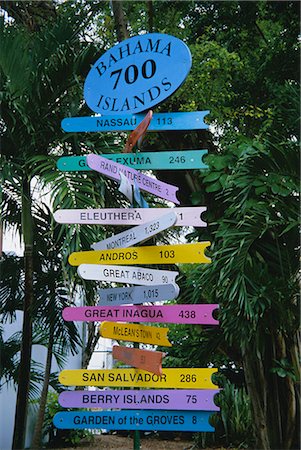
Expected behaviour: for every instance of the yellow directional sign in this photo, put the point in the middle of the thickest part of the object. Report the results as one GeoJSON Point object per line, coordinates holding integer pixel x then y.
{"type": "Point", "coordinates": [135, 333]}
{"type": "Point", "coordinates": [157, 254]}
{"type": "Point", "coordinates": [170, 378]}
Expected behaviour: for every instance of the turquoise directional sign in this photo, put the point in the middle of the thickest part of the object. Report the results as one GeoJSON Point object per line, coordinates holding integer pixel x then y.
{"type": "Point", "coordinates": [121, 122]}
{"type": "Point", "coordinates": [171, 160]}
{"type": "Point", "coordinates": [137, 74]}
{"type": "Point", "coordinates": [135, 420]}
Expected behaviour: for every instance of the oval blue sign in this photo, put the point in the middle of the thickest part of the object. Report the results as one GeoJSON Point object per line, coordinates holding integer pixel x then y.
{"type": "Point", "coordinates": [137, 74]}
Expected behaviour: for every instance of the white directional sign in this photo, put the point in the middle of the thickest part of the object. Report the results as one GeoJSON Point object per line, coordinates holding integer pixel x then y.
{"type": "Point", "coordinates": [112, 170]}
{"type": "Point", "coordinates": [137, 234]}
{"type": "Point", "coordinates": [137, 294]}
{"type": "Point", "coordinates": [186, 216]}
{"type": "Point", "coordinates": [125, 274]}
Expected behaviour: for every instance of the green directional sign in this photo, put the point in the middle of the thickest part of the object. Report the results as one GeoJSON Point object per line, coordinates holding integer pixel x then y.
{"type": "Point", "coordinates": [171, 160]}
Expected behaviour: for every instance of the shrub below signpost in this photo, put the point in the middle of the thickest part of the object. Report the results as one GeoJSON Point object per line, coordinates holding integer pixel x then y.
{"type": "Point", "coordinates": [56, 437]}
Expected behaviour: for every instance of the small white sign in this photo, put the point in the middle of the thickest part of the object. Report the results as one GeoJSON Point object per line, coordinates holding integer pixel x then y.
{"type": "Point", "coordinates": [137, 294]}
{"type": "Point", "coordinates": [125, 187]}
{"type": "Point", "coordinates": [186, 216]}
{"type": "Point", "coordinates": [126, 274]}
{"type": "Point", "coordinates": [137, 234]}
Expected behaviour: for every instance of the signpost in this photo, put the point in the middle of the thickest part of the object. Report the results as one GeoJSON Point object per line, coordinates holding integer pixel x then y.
{"type": "Point", "coordinates": [191, 399]}
{"type": "Point", "coordinates": [135, 420]}
{"type": "Point", "coordinates": [190, 216]}
{"type": "Point", "coordinates": [171, 160]}
{"type": "Point", "coordinates": [188, 314]}
{"type": "Point", "coordinates": [131, 77]}
{"type": "Point", "coordinates": [141, 359]}
{"type": "Point", "coordinates": [112, 170]}
{"type": "Point", "coordinates": [137, 234]}
{"type": "Point", "coordinates": [121, 122]}
{"type": "Point", "coordinates": [135, 333]}
{"type": "Point", "coordinates": [181, 378]}
{"type": "Point", "coordinates": [137, 294]}
{"type": "Point", "coordinates": [125, 274]}
{"type": "Point", "coordinates": [154, 254]}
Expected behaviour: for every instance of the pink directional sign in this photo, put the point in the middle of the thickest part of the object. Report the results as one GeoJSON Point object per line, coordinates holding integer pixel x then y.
{"type": "Point", "coordinates": [112, 170]}
{"type": "Point", "coordinates": [182, 399]}
{"type": "Point", "coordinates": [189, 314]}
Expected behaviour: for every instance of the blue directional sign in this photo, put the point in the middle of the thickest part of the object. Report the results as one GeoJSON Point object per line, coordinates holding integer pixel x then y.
{"type": "Point", "coordinates": [160, 122]}
{"type": "Point", "coordinates": [135, 420]}
{"type": "Point", "coordinates": [137, 74]}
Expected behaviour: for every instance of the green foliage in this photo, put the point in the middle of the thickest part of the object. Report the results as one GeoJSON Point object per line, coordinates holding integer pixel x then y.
{"type": "Point", "coordinates": [236, 416]}
{"type": "Point", "coordinates": [233, 424]}
{"type": "Point", "coordinates": [52, 407]}
{"type": "Point", "coordinates": [254, 257]}
{"type": "Point", "coordinates": [73, 437]}
{"type": "Point", "coordinates": [9, 350]}
{"type": "Point", "coordinates": [284, 368]}
{"type": "Point", "coordinates": [243, 54]}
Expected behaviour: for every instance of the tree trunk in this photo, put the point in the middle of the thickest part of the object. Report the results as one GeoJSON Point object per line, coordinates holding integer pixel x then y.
{"type": "Point", "coordinates": [275, 409]}
{"type": "Point", "coordinates": [257, 393]}
{"type": "Point", "coordinates": [289, 409]}
{"type": "Point", "coordinates": [37, 436]}
{"type": "Point", "coordinates": [150, 11]}
{"type": "Point", "coordinates": [119, 19]}
{"type": "Point", "coordinates": [291, 414]}
{"type": "Point", "coordinates": [30, 14]}
{"type": "Point", "coordinates": [90, 346]}
{"type": "Point", "coordinates": [24, 369]}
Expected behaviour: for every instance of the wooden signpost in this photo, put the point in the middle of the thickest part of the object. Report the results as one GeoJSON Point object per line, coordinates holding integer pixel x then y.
{"type": "Point", "coordinates": [190, 216]}
{"type": "Point", "coordinates": [157, 254]}
{"type": "Point", "coordinates": [191, 399]}
{"type": "Point", "coordinates": [189, 314]}
{"type": "Point", "coordinates": [171, 160]}
{"type": "Point", "coordinates": [181, 378]}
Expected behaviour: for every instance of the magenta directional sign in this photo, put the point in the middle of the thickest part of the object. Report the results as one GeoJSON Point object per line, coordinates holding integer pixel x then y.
{"type": "Point", "coordinates": [135, 420]}
{"type": "Point", "coordinates": [186, 216]}
{"type": "Point", "coordinates": [112, 170]}
{"type": "Point", "coordinates": [137, 294]}
{"type": "Point", "coordinates": [189, 314]}
{"type": "Point", "coordinates": [137, 74]}
{"type": "Point", "coordinates": [185, 399]}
